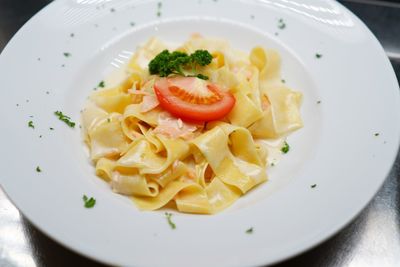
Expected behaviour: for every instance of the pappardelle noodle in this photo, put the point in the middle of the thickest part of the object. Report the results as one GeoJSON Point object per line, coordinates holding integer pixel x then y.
{"type": "Point", "coordinates": [159, 158]}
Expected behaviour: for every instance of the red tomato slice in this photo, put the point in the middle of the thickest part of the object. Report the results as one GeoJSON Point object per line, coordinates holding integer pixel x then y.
{"type": "Point", "coordinates": [193, 99]}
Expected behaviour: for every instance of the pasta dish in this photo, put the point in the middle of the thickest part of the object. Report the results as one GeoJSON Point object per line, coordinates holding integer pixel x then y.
{"type": "Point", "coordinates": [190, 127]}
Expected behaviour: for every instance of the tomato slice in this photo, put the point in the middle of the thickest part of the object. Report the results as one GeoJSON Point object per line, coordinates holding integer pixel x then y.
{"type": "Point", "coordinates": [193, 99]}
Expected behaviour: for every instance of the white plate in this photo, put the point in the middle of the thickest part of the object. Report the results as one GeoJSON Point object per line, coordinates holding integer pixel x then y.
{"type": "Point", "coordinates": [337, 149]}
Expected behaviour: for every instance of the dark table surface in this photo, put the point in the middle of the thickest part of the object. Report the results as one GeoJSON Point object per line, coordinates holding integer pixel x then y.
{"type": "Point", "coordinates": [372, 239]}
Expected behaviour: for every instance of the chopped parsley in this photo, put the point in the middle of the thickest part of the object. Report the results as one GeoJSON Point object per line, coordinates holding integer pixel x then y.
{"type": "Point", "coordinates": [169, 220]}
{"type": "Point", "coordinates": [108, 120]}
{"type": "Point", "coordinates": [30, 124]}
{"type": "Point", "coordinates": [132, 24]}
{"type": "Point", "coordinates": [314, 185]}
{"type": "Point", "coordinates": [40, 136]}
{"type": "Point", "coordinates": [72, 35]}
{"type": "Point", "coordinates": [250, 230]}
{"type": "Point", "coordinates": [38, 169]}
{"type": "Point", "coordinates": [317, 55]}
{"type": "Point", "coordinates": [283, 81]}
{"type": "Point", "coordinates": [180, 63]}
{"type": "Point", "coordinates": [51, 128]}
{"type": "Point", "coordinates": [285, 149]}
{"type": "Point", "coordinates": [376, 134]}
{"type": "Point", "coordinates": [64, 118]}
{"type": "Point", "coordinates": [201, 76]}
{"type": "Point", "coordinates": [272, 164]}
{"type": "Point", "coordinates": [47, 92]}
{"type": "Point", "coordinates": [89, 202]}
{"type": "Point", "coordinates": [66, 54]}
{"type": "Point", "coordinates": [319, 102]}
{"type": "Point", "coordinates": [281, 24]}
{"type": "Point", "coordinates": [101, 84]}
{"type": "Point", "coordinates": [159, 5]}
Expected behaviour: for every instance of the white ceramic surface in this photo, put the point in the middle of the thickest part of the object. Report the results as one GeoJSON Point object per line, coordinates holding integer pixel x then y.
{"type": "Point", "coordinates": [350, 94]}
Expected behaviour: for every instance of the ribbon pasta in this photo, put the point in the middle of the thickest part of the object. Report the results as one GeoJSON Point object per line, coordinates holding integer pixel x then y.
{"type": "Point", "coordinates": [199, 168]}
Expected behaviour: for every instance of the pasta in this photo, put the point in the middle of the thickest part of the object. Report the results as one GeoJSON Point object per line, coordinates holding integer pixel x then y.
{"type": "Point", "coordinates": [156, 158]}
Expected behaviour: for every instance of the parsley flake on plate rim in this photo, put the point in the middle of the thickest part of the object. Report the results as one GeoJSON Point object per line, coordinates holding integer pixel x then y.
{"type": "Point", "coordinates": [64, 118]}
{"type": "Point", "coordinates": [30, 125]}
{"type": "Point", "coordinates": [169, 220]}
{"type": "Point", "coordinates": [88, 202]}
{"type": "Point", "coordinates": [285, 149]}
{"type": "Point", "coordinates": [250, 230]}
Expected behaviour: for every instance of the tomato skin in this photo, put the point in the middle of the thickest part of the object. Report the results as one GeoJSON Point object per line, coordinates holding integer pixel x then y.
{"type": "Point", "coordinates": [191, 111]}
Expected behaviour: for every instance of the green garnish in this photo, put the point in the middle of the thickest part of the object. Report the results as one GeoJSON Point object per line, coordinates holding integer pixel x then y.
{"type": "Point", "coordinates": [283, 81]}
{"type": "Point", "coordinates": [38, 169]}
{"type": "Point", "coordinates": [89, 202]}
{"type": "Point", "coordinates": [201, 76]}
{"type": "Point", "coordinates": [249, 231]}
{"type": "Point", "coordinates": [285, 148]}
{"type": "Point", "coordinates": [180, 63]}
{"type": "Point", "coordinates": [65, 119]}
{"type": "Point", "coordinates": [66, 54]}
{"type": "Point", "coordinates": [51, 128]}
{"type": "Point", "coordinates": [159, 5]}
{"type": "Point", "coordinates": [376, 134]}
{"type": "Point", "coordinates": [281, 24]}
{"type": "Point", "coordinates": [108, 120]}
{"type": "Point", "coordinates": [169, 215]}
{"type": "Point", "coordinates": [72, 34]}
{"type": "Point", "coordinates": [314, 185]}
{"type": "Point", "coordinates": [30, 124]}
{"type": "Point", "coordinates": [132, 24]}
{"type": "Point", "coordinates": [272, 164]}
{"type": "Point", "coordinates": [101, 84]}
{"type": "Point", "coordinates": [318, 55]}
{"type": "Point", "coordinates": [319, 102]}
